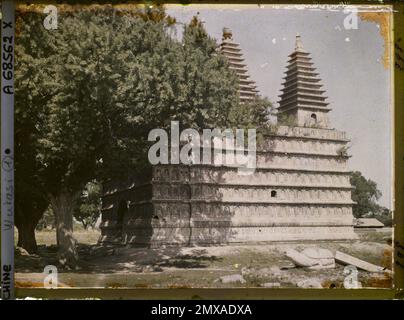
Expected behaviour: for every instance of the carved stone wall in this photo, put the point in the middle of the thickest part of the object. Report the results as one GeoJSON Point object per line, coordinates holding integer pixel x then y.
{"type": "Point", "coordinates": [299, 191]}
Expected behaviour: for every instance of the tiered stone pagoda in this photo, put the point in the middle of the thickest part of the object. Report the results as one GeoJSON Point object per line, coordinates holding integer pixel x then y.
{"type": "Point", "coordinates": [303, 100]}
{"type": "Point", "coordinates": [231, 50]}
{"type": "Point", "coordinates": [300, 189]}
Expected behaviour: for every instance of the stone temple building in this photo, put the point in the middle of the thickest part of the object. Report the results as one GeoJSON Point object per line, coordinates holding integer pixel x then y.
{"type": "Point", "coordinates": [300, 189]}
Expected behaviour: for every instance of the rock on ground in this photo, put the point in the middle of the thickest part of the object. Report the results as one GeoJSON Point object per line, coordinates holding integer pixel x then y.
{"type": "Point", "coordinates": [21, 251]}
{"type": "Point", "coordinates": [232, 278]}
{"type": "Point", "coordinates": [271, 285]}
{"type": "Point", "coordinates": [309, 283]}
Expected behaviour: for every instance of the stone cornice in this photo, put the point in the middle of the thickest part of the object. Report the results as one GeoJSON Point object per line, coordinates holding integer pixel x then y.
{"type": "Point", "coordinates": [249, 203]}
{"type": "Point", "coordinates": [254, 186]}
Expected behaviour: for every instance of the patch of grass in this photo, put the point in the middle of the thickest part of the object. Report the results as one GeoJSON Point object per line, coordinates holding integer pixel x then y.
{"type": "Point", "coordinates": [246, 257]}
{"type": "Point", "coordinates": [48, 237]}
{"type": "Point", "coordinates": [381, 236]}
{"type": "Point", "coordinates": [370, 252]}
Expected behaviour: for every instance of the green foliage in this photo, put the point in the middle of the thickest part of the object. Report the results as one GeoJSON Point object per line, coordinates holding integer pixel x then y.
{"type": "Point", "coordinates": [365, 194]}
{"type": "Point", "coordinates": [343, 151]}
{"type": "Point", "coordinates": [47, 220]}
{"type": "Point", "coordinates": [32, 91]}
{"type": "Point", "coordinates": [188, 81]}
{"type": "Point", "coordinates": [103, 81]}
{"type": "Point", "coordinates": [254, 114]}
{"type": "Point", "coordinates": [209, 89]}
{"type": "Point", "coordinates": [94, 88]}
{"type": "Point", "coordinates": [287, 120]}
{"type": "Point", "coordinates": [88, 208]}
{"type": "Point", "coordinates": [386, 217]}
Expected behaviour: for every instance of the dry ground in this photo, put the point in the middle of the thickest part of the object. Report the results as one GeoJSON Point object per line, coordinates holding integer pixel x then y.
{"type": "Point", "coordinates": [198, 267]}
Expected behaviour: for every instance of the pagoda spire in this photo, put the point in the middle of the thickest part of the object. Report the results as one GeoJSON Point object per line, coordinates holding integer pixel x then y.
{"type": "Point", "coordinates": [231, 50]}
{"type": "Point", "coordinates": [302, 95]}
{"type": "Point", "coordinates": [299, 44]}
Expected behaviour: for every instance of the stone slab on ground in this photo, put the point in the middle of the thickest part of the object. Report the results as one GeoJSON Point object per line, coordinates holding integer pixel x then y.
{"type": "Point", "coordinates": [313, 258]}
{"type": "Point", "coordinates": [299, 259]}
{"type": "Point", "coordinates": [324, 257]}
{"type": "Point", "coordinates": [346, 259]}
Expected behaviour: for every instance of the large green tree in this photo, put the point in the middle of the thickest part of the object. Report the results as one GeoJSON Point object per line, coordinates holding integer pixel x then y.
{"type": "Point", "coordinates": [92, 90]}
{"type": "Point", "coordinates": [88, 208]}
{"type": "Point", "coordinates": [68, 90]}
{"type": "Point", "coordinates": [74, 131]}
{"type": "Point", "coordinates": [365, 194]}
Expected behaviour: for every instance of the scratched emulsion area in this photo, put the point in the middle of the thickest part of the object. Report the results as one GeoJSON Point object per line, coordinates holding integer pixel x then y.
{"type": "Point", "coordinates": [383, 20]}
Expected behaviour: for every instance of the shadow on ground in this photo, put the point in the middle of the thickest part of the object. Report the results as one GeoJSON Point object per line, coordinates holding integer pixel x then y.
{"type": "Point", "coordinates": [113, 259]}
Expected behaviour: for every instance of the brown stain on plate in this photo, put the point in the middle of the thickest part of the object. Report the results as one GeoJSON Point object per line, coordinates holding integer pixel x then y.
{"type": "Point", "coordinates": [33, 284]}
{"type": "Point", "coordinates": [383, 281]}
{"type": "Point", "coordinates": [387, 258]}
{"type": "Point", "coordinates": [383, 20]}
{"type": "Point", "coordinates": [114, 285]}
{"type": "Point", "coordinates": [179, 286]}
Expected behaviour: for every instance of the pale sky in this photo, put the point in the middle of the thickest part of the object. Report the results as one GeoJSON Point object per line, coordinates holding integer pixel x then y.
{"type": "Point", "coordinates": [349, 62]}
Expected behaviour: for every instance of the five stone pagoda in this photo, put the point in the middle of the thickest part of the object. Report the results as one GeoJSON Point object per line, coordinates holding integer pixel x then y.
{"type": "Point", "coordinates": [231, 50]}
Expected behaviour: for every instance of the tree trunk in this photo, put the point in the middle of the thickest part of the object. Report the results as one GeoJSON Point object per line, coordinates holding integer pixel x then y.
{"type": "Point", "coordinates": [27, 215]}
{"type": "Point", "coordinates": [26, 236]}
{"type": "Point", "coordinates": [63, 205]}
